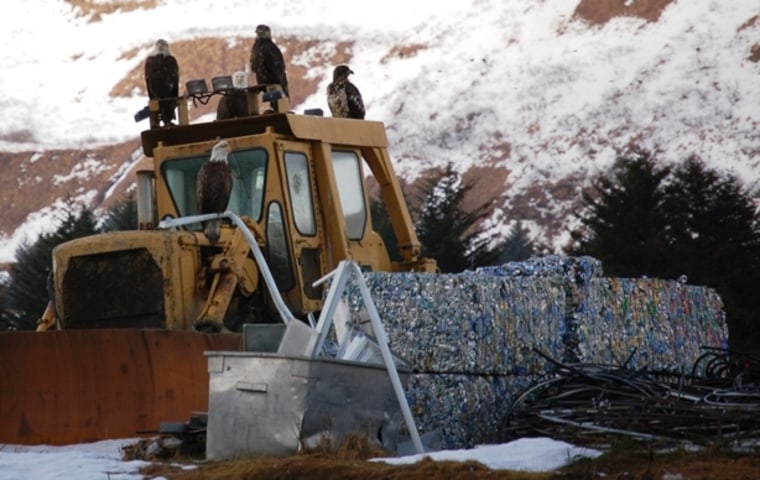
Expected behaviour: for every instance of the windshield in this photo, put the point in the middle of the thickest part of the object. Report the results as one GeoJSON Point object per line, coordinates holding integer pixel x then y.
{"type": "Point", "coordinates": [248, 175]}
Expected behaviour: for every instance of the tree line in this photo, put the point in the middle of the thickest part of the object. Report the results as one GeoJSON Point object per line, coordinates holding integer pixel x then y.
{"type": "Point", "coordinates": [679, 221]}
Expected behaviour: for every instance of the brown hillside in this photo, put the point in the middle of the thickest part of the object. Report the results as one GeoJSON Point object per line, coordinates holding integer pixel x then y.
{"type": "Point", "coordinates": [598, 12]}
{"type": "Point", "coordinates": [29, 186]}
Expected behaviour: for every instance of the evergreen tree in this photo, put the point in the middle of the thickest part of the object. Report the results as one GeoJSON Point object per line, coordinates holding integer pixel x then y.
{"type": "Point", "coordinates": [26, 294]}
{"type": "Point", "coordinates": [716, 242]}
{"type": "Point", "coordinates": [381, 223]}
{"type": "Point", "coordinates": [447, 232]}
{"type": "Point", "coordinates": [625, 225]}
{"type": "Point", "coordinates": [7, 318]}
{"type": "Point", "coordinates": [122, 215]}
{"type": "Point", "coordinates": [649, 220]}
{"type": "Point", "coordinates": [518, 245]}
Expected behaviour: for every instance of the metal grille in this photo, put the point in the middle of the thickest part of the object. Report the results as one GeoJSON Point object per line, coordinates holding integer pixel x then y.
{"type": "Point", "coordinates": [114, 290]}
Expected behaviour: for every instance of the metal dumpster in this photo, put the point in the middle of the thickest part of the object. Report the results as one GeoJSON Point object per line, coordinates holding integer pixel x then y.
{"type": "Point", "coordinates": [271, 404]}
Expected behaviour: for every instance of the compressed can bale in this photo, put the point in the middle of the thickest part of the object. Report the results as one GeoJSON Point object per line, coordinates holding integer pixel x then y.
{"type": "Point", "coordinates": [470, 322]}
{"type": "Point", "coordinates": [466, 410]}
{"type": "Point", "coordinates": [473, 337]}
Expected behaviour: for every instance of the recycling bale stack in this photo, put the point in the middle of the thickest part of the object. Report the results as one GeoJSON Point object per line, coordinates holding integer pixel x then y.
{"type": "Point", "coordinates": [651, 324]}
{"type": "Point", "coordinates": [472, 337]}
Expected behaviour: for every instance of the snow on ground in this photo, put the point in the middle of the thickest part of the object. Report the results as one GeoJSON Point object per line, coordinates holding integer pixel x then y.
{"type": "Point", "coordinates": [101, 460]}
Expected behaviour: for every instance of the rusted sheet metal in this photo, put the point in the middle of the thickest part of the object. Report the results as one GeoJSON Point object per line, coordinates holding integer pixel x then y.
{"type": "Point", "coordinates": [76, 386]}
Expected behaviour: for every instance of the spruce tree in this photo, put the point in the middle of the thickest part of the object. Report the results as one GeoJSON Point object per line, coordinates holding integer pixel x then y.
{"type": "Point", "coordinates": [122, 215]}
{"type": "Point", "coordinates": [381, 223]}
{"type": "Point", "coordinates": [716, 242]}
{"type": "Point", "coordinates": [518, 246]}
{"type": "Point", "coordinates": [687, 220]}
{"type": "Point", "coordinates": [446, 231]}
{"type": "Point", "coordinates": [7, 318]}
{"type": "Point", "coordinates": [625, 225]}
{"type": "Point", "coordinates": [26, 295]}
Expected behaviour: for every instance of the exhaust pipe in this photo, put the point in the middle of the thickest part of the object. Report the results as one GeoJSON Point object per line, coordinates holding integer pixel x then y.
{"type": "Point", "coordinates": [146, 200]}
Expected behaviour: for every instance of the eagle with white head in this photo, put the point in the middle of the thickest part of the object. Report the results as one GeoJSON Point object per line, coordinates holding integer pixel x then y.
{"type": "Point", "coordinates": [162, 80]}
{"type": "Point", "coordinates": [213, 188]}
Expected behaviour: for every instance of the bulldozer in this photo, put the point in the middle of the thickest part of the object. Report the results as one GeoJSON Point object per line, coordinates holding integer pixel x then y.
{"type": "Point", "coordinates": [120, 347]}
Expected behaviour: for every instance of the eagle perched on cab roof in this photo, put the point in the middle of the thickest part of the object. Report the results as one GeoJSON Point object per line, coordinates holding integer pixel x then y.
{"type": "Point", "coordinates": [162, 80]}
{"type": "Point", "coordinates": [234, 103]}
{"type": "Point", "coordinates": [343, 98]}
{"type": "Point", "coordinates": [267, 62]}
{"type": "Point", "coordinates": [213, 187]}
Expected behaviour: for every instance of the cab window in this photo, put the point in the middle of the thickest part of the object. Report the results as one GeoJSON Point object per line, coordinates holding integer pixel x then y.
{"type": "Point", "coordinates": [351, 191]}
{"type": "Point", "coordinates": [278, 251]}
{"type": "Point", "coordinates": [299, 187]}
{"type": "Point", "coordinates": [248, 180]}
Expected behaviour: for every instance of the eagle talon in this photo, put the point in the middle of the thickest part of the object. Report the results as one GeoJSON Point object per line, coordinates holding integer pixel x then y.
{"type": "Point", "coordinates": [207, 326]}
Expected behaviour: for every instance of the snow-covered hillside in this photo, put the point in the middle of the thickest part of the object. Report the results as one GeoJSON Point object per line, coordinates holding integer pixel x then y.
{"type": "Point", "coordinates": [530, 97]}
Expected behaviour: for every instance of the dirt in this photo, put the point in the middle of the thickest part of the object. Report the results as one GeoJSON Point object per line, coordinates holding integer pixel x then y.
{"type": "Point", "coordinates": [598, 12]}
{"type": "Point", "coordinates": [351, 462]}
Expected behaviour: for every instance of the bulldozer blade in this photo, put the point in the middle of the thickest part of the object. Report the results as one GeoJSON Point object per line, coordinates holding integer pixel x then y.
{"type": "Point", "coordinates": [77, 386]}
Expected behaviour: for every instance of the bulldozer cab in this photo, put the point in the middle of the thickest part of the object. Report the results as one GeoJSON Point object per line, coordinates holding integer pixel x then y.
{"type": "Point", "coordinates": [302, 182]}
{"type": "Point", "coordinates": [301, 188]}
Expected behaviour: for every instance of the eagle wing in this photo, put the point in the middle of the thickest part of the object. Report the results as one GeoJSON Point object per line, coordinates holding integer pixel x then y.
{"type": "Point", "coordinates": [151, 73]}
{"type": "Point", "coordinates": [171, 71]}
{"type": "Point", "coordinates": [336, 100]}
{"type": "Point", "coordinates": [355, 102]}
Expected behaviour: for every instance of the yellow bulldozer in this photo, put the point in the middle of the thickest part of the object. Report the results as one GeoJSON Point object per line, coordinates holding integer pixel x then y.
{"type": "Point", "coordinates": [120, 346]}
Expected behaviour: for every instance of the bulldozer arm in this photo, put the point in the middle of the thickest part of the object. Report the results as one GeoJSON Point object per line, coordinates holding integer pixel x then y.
{"type": "Point", "coordinates": [75, 386]}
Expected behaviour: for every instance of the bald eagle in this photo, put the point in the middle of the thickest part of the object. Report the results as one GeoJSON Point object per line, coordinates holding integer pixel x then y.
{"type": "Point", "coordinates": [267, 62]}
{"type": "Point", "coordinates": [343, 98]}
{"type": "Point", "coordinates": [234, 103]}
{"type": "Point", "coordinates": [213, 187]}
{"type": "Point", "coordinates": [162, 80]}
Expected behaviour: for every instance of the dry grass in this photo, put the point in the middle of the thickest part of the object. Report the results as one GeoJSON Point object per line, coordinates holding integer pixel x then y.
{"type": "Point", "coordinates": [642, 462]}
{"type": "Point", "coordinates": [349, 461]}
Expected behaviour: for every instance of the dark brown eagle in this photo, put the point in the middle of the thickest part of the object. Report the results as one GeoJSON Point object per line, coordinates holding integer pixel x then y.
{"type": "Point", "coordinates": [267, 62]}
{"type": "Point", "coordinates": [343, 98]}
{"type": "Point", "coordinates": [162, 80]}
{"type": "Point", "coordinates": [213, 187]}
{"type": "Point", "coordinates": [234, 103]}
